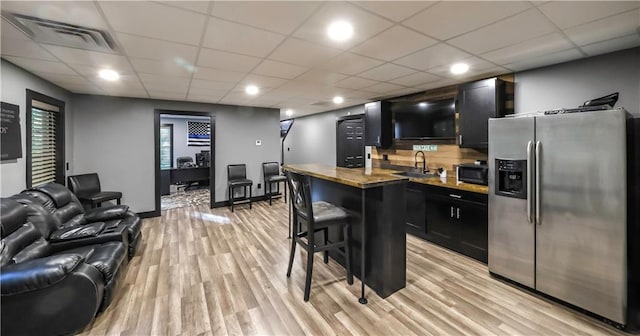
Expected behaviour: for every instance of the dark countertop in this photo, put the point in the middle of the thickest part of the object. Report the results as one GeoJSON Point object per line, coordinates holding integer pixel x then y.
{"type": "Point", "coordinates": [355, 177]}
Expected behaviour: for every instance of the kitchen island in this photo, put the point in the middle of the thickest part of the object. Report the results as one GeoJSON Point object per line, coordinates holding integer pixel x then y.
{"type": "Point", "coordinates": [376, 200]}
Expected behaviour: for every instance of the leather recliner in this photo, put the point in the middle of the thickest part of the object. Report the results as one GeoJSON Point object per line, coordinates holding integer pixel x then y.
{"type": "Point", "coordinates": [68, 210]}
{"type": "Point", "coordinates": [45, 291]}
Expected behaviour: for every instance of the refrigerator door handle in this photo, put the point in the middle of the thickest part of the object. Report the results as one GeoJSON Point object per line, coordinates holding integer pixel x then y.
{"type": "Point", "coordinates": [537, 195]}
{"type": "Point", "coordinates": [529, 183]}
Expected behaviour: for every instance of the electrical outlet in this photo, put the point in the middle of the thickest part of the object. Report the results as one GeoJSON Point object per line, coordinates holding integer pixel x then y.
{"type": "Point", "coordinates": [259, 185]}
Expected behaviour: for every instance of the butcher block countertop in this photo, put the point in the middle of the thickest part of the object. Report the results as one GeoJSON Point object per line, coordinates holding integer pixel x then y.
{"type": "Point", "coordinates": [355, 177]}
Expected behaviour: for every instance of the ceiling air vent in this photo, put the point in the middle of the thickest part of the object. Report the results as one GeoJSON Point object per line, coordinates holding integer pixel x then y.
{"type": "Point", "coordinates": [321, 103]}
{"type": "Point", "coordinates": [62, 34]}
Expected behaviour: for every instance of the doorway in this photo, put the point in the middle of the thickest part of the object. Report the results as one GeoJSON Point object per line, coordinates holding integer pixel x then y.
{"type": "Point", "coordinates": [350, 142]}
{"type": "Point", "coordinates": [184, 159]}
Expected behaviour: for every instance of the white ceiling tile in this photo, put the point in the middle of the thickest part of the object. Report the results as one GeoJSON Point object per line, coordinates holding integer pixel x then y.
{"type": "Point", "coordinates": [167, 68]}
{"type": "Point", "coordinates": [416, 79]}
{"type": "Point", "coordinates": [383, 88]}
{"type": "Point", "coordinates": [218, 75]}
{"type": "Point", "coordinates": [559, 57]}
{"type": "Point", "coordinates": [262, 81]}
{"type": "Point", "coordinates": [85, 89]}
{"type": "Point", "coordinates": [365, 24]}
{"type": "Point", "coordinates": [91, 71]}
{"type": "Point", "coordinates": [122, 85]}
{"type": "Point", "coordinates": [229, 36]}
{"type": "Point", "coordinates": [196, 6]}
{"type": "Point", "coordinates": [608, 46]}
{"type": "Point", "coordinates": [207, 98]}
{"type": "Point", "coordinates": [355, 83]}
{"type": "Point", "coordinates": [447, 19]}
{"type": "Point", "coordinates": [277, 16]}
{"type": "Point", "coordinates": [386, 72]}
{"type": "Point", "coordinates": [127, 92]}
{"type": "Point", "coordinates": [214, 85]}
{"type": "Point", "coordinates": [355, 94]}
{"type": "Point", "coordinates": [605, 29]}
{"type": "Point", "coordinates": [164, 83]}
{"type": "Point", "coordinates": [226, 61]}
{"type": "Point", "coordinates": [303, 53]}
{"type": "Point", "coordinates": [24, 48]}
{"type": "Point", "coordinates": [476, 66]}
{"type": "Point", "coordinates": [143, 47]}
{"type": "Point", "coordinates": [510, 31]}
{"type": "Point", "coordinates": [167, 95]}
{"type": "Point", "coordinates": [86, 57]}
{"type": "Point", "coordinates": [60, 78]}
{"type": "Point", "coordinates": [40, 66]}
{"type": "Point", "coordinates": [439, 84]}
{"type": "Point", "coordinates": [154, 20]}
{"type": "Point", "coordinates": [406, 91]}
{"type": "Point", "coordinates": [279, 69]}
{"type": "Point", "coordinates": [320, 76]}
{"type": "Point", "coordinates": [567, 14]}
{"type": "Point", "coordinates": [212, 92]}
{"type": "Point", "coordinates": [403, 40]}
{"type": "Point", "coordinates": [394, 10]}
{"type": "Point", "coordinates": [80, 13]}
{"type": "Point", "coordinates": [351, 64]}
{"type": "Point", "coordinates": [433, 56]}
{"type": "Point", "coordinates": [539, 46]}
{"type": "Point", "coordinates": [9, 31]}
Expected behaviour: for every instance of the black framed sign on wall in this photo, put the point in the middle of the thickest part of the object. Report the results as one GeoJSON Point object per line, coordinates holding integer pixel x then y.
{"type": "Point", "coordinates": [10, 137]}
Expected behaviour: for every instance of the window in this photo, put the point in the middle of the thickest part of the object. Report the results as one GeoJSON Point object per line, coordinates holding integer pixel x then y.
{"type": "Point", "coordinates": [45, 140]}
{"type": "Point", "coordinates": [166, 146]}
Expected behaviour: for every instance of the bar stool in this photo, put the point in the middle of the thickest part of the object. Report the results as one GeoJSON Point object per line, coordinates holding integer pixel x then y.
{"type": "Point", "coordinates": [317, 217]}
{"type": "Point", "coordinates": [237, 177]}
{"type": "Point", "coordinates": [271, 173]}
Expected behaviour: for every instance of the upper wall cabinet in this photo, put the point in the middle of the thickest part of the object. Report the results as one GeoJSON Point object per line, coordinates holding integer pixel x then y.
{"type": "Point", "coordinates": [377, 119]}
{"type": "Point", "coordinates": [477, 102]}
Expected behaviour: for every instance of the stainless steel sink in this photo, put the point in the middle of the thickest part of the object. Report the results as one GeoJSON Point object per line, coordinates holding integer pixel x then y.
{"type": "Point", "coordinates": [416, 175]}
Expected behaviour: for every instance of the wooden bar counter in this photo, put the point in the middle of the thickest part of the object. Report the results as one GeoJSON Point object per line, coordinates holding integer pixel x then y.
{"type": "Point", "coordinates": [376, 199]}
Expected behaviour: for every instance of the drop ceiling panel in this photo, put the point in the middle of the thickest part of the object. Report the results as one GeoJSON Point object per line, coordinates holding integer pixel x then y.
{"type": "Point", "coordinates": [143, 47]}
{"type": "Point", "coordinates": [382, 88]}
{"type": "Point", "coordinates": [416, 79]}
{"type": "Point", "coordinates": [211, 85]}
{"type": "Point", "coordinates": [365, 25]}
{"type": "Point", "coordinates": [276, 16]}
{"type": "Point", "coordinates": [24, 48]}
{"type": "Point", "coordinates": [567, 14]}
{"type": "Point", "coordinates": [86, 57]}
{"type": "Point", "coordinates": [355, 83]}
{"type": "Point", "coordinates": [351, 64]}
{"type": "Point", "coordinates": [262, 81]}
{"type": "Point", "coordinates": [476, 66]}
{"type": "Point", "coordinates": [228, 36]}
{"type": "Point", "coordinates": [90, 71]}
{"type": "Point", "coordinates": [41, 66]}
{"type": "Point", "coordinates": [154, 20]}
{"type": "Point", "coordinates": [167, 68]}
{"type": "Point", "coordinates": [614, 26]}
{"type": "Point", "coordinates": [510, 31]}
{"type": "Point", "coordinates": [203, 98]}
{"type": "Point", "coordinates": [279, 69]}
{"type": "Point", "coordinates": [403, 40]}
{"type": "Point", "coordinates": [535, 62]}
{"type": "Point", "coordinates": [538, 46]}
{"type": "Point", "coordinates": [226, 61]}
{"type": "Point", "coordinates": [321, 77]}
{"type": "Point", "coordinates": [447, 19]}
{"type": "Point", "coordinates": [386, 72]}
{"type": "Point", "coordinates": [9, 31]}
{"type": "Point", "coordinates": [167, 95]}
{"type": "Point", "coordinates": [303, 53]}
{"type": "Point", "coordinates": [433, 56]}
{"type": "Point", "coordinates": [164, 83]}
{"type": "Point", "coordinates": [608, 46]}
{"type": "Point", "coordinates": [394, 10]}
{"type": "Point", "coordinates": [196, 6]}
{"type": "Point", "coordinates": [80, 13]}
{"type": "Point", "coordinates": [218, 75]}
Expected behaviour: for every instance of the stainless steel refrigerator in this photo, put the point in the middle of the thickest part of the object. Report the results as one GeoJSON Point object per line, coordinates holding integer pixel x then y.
{"type": "Point", "coordinates": [558, 207]}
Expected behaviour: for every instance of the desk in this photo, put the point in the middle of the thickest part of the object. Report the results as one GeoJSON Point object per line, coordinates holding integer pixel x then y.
{"type": "Point", "coordinates": [178, 175]}
{"type": "Point", "coordinates": [376, 200]}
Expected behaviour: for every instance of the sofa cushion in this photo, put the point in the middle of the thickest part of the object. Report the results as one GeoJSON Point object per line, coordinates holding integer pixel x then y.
{"type": "Point", "coordinates": [106, 257]}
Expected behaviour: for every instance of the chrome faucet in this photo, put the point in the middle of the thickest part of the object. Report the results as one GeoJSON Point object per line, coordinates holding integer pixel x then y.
{"type": "Point", "coordinates": [424, 161]}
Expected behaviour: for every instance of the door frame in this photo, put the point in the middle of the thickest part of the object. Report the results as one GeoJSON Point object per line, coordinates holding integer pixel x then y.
{"type": "Point", "coordinates": [212, 146]}
{"type": "Point", "coordinates": [345, 118]}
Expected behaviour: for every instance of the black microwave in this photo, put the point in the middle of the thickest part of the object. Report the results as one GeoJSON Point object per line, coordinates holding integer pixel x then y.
{"type": "Point", "coordinates": [473, 173]}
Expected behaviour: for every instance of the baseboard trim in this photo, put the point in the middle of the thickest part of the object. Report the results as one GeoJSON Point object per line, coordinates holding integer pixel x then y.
{"type": "Point", "coordinates": [149, 214]}
{"type": "Point", "coordinates": [226, 203]}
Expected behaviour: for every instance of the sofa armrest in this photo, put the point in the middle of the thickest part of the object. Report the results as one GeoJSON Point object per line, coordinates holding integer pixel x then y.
{"type": "Point", "coordinates": [37, 273]}
{"type": "Point", "coordinates": [105, 214]}
{"type": "Point", "coordinates": [77, 232]}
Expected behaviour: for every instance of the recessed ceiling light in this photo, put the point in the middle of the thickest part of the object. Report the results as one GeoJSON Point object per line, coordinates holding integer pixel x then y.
{"type": "Point", "coordinates": [340, 31]}
{"type": "Point", "coordinates": [338, 100]}
{"type": "Point", "coordinates": [459, 68]}
{"type": "Point", "coordinates": [289, 112]}
{"type": "Point", "coordinates": [108, 74]}
{"type": "Point", "coordinates": [423, 104]}
{"type": "Point", "coordinates": [252, 90]}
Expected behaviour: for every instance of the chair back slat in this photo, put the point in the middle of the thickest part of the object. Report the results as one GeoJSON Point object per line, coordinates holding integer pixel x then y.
{"type": "Point", "coordinates": [300, 195]}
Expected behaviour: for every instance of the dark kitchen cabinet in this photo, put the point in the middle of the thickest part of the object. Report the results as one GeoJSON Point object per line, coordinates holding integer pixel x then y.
{"type": "Point", "coordinates": [473, 222]}
{"type": "Point", "coordinates": [477, 102]}
{"type": "Point", "coordinates": [378, 128]}
{"type": "Point", "coordinates": [441, 229]}
{"type": "Point", "coordinates": [416, 209]}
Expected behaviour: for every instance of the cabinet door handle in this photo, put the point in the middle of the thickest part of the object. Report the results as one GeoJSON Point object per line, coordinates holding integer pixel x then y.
{"type": "Point", "coordinates": [461, 139]}
{"type": "Point", "coordinates": [451, 212]}
{"type": "Point", "coordinates": [458, 213]}
{"type": "Point", "coordinates": [455, 196]}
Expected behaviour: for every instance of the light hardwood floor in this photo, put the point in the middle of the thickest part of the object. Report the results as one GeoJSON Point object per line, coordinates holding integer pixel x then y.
{"type": "Point", "coordinates": [204, 272]}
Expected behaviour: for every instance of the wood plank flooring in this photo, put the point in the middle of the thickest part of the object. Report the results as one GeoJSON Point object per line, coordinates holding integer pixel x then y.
{"type": "Point", "coordinates": [205, 271]}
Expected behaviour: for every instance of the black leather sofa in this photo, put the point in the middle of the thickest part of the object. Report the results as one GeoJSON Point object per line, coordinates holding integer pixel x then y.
{"type": "Point", "coordinates": [69, 214]}
{"type": "Point", "coordinates": [47, 288]}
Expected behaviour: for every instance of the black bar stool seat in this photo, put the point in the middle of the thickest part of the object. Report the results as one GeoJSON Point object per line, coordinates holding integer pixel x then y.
{"type": "Point", "coordinates": [237, 178]}
{"type": "Point", "coordinates": [316, 217]}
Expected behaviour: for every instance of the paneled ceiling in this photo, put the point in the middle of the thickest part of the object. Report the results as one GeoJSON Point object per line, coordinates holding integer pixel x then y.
{"type": "Point", "coordinates": [209, 51]}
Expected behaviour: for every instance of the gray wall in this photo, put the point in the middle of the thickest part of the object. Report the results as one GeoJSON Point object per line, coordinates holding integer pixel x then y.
{"type": "Point", "coordinates": [312, 139]}
{"type": "Point", "coordinates": [15, 81]}
{"type": "Point", "coordinates": [570, 84]}
{"type": "Point", "coordinates": [114, 137]}
{"type": "Point", "coordinates": [180, 133]}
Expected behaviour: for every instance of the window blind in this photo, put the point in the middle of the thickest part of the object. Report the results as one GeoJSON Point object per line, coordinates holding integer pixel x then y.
{"type": "Point", "coordinates": [43, 146]}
